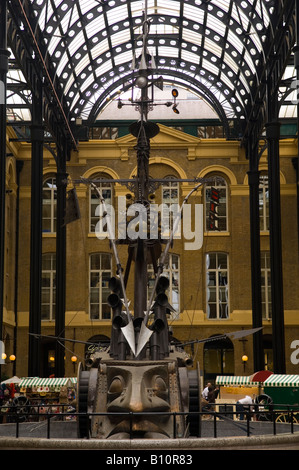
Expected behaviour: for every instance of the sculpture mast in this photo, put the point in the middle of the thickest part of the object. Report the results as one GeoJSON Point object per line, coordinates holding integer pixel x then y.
{"type": "Point", "coordinates": [143, 131]}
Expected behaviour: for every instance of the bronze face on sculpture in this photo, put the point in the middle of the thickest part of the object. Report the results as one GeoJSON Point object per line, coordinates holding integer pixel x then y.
{"type": "Point", "coordinates": [142, 389]}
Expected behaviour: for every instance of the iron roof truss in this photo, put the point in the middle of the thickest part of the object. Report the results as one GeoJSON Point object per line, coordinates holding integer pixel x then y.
{"type": "Point", "coordinates": [82, 51]}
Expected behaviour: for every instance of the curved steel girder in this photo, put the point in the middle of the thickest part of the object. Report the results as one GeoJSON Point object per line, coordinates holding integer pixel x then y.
{"type": "Point", "coordinates": [291, 85]}
{"type": "Point", "coordinates": [236, 56]}
{"type": "Point", "coordinates": [227, 104]}
{"type": "Point", "coordinates": [27, 49]}
{"type": "Point", "coordinates": [247, 44]}
{"type": "Point", "coordinates": [249, 12]}
{"type": "Point", "coordinates": [247, 18]}
{"type": "Point", "coordinates": [193, 85]}
{"type": "Point", "coordinates": [235, 91]}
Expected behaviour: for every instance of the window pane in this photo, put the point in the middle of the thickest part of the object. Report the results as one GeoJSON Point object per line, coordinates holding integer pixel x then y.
{"type": "Point", "coordinates": [217, 285]}
{"type": "Point", "coordinates": [106, 191]}
{"type": "Point", "coordinates": [48, 286]}
{"type": "Point", "coordinates": [106, 312]}
{"type": "Point", "coordinates": [175, 262]}
{"type": "Point", "coordinates": [94, 280]}
{"type": "Point", "coordinates": [201, 132]}
{"type": "Point", "coordinates": [216, 207]}
{"type": "Point", "coordinates": [46, 280]}
{"type": "Point", "coordinates": [212, 279]}
{"type": "Point", "coordinates": [95, 261]}
{"type": "Point", "coordinates": [49, 205]}
{"type": "Point", "coordinates": [106, 261]}
{"type": "Point", "coordinates": [171, 271]}
{"type": "Point", "coordinates": [45, 296]}
{"type": "Point", "coordinates": [94, 295]}
{"type": "Point", "coordinates": [212, 295]}
{"type": "Point", "coordinates": [211, 261]}
{"type": "Point", "coordinates": [94, 311]}
{"type": "Point", "coordinates": [47, 261]}
{"type": "Point", "coordinates": [222, 260]}
{"type": "Point", "coordinates": [212, 311]}
{"type": "Point", "coordinates": [264, 203]}
{"type": "Point", "coordinates": [45, 312]}
{"type": "Point", "coordinates": [100, 275]}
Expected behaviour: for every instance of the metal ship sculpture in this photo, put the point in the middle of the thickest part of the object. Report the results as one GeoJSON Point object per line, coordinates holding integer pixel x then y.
{"type": "Point", "coordinates": [137, 383]}
{"type": "Point", "coordinates": [140, 386]}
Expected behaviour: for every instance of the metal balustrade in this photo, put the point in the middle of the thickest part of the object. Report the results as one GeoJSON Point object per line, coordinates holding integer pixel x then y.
{"type": "Point", "coordinates": [32, 414]}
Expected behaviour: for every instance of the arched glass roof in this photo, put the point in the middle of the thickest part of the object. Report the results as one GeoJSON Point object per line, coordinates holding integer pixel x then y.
{"type": "Point", "coordinates": [215, 48]}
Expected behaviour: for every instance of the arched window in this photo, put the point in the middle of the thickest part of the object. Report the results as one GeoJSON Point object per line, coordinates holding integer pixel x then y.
{"type": "Point", "coordinates": [99, 275]}
{"type": "Point", "coordinates": [94, 203]}
{"type": "Point", "coordinates": [217, 285]}
{"type": "Point", "coordinates": [216, 204]}
{"type": "Point", "coordinates": [49, 205]}
{"type": "Point", "coordinates": [48, 304]}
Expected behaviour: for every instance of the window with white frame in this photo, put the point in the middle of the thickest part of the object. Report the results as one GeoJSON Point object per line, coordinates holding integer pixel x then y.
{"type": "Point", "coordinates": [266, 285]}
{"type": "Point", "coordinates": [217, 285]}
{"type": "Point", "coordinates": [99, 276]}
{"type": "Point", "coordinates": [216, 207]}
{"type": "Point", "coordinates": [264, 202]}
{"type": "Point", "coordinates": [48, 303]}
{"type": "Point", "coordinates": [49, 205]}
{"type": "Point", "coordinates": [96, 220]}
{"type": "Point", "coordinates": [171, 270]}
{"type": "Point", "coordinates": [170, 199]}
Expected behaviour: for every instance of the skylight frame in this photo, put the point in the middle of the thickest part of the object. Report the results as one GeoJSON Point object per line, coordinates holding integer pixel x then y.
{"type": "Point", "coordinates": [119, 24]}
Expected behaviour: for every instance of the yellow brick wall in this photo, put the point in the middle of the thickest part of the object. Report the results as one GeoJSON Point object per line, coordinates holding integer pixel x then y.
{"type": "Point", "coordinates": [172, 153]}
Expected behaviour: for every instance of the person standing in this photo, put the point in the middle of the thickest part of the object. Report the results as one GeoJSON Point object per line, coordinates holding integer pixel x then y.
{"type": "Point", "coordinates": [243, 405]}
{"type": "Point", "coordinates": [205, 391]}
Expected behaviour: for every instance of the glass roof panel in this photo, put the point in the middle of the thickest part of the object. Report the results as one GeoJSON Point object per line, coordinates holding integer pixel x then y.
{"type": "Point", "coordinates": [159, 29]}
{"type": "Point", "coordinates": [192, 36]}
{"type": "Point", "coordinates": [216, 25]}
{"type": "Point", "coordinates": [117, 14]}
{"type": "Point", "coordinates": [165, 51]}
{"type": "Point", "coordinates": [123, 58]}
{"type": "Point", "coordinates": [86, 5]}
{"type": "Point", "coordinates": [104, 68]}
{"type": "Point", "coordinates": [98, 24]}
{"type": "Point", "coordinates": [223, 4]}
{"type": "Point", "coordinates": [170, 5]}
{"type": "Point", "coordinates": [100, 49]}
{"type": "Point", "coordinates": [86, 84]}
{"type": "Point", "coordinates": [193, 13]}
{"type": "Point", "coordinates": [120, 38]}
{"type": "Point", "coordinates": [190, 57]}
{"type": "Point", "coordinates": [137, 8]}
{"type": "Point", "coordinates": [215, 46]}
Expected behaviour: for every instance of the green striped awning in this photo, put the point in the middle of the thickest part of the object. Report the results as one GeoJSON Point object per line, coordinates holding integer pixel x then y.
{"type": "Point", "coordinates": [234, 380]}
{"type": "Point", "coordinates": [282, 380]}
{"type": "Point", "coordinates": [46, 382]}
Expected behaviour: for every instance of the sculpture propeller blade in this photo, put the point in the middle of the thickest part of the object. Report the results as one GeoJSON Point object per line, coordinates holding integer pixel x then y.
{"type": "Point", "coordinates": [144, 336]}
{"type": "Point", "coordinates": [129, 334]}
